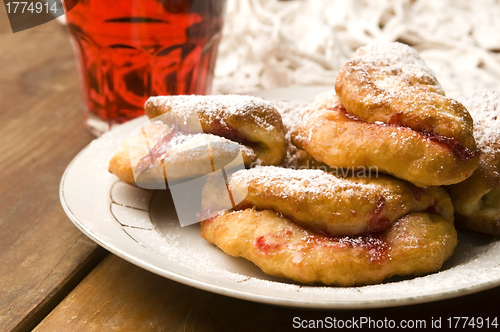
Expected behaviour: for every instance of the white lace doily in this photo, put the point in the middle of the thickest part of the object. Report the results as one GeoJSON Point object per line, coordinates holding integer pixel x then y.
{"type": "Point", "coordinates": [271, 43]}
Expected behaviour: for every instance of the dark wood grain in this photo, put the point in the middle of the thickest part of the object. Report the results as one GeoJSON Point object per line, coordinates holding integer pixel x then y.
{"type": "Point", "coordinates": [118, 296]}
{"type": "Point", "coordinates": [42, 255]}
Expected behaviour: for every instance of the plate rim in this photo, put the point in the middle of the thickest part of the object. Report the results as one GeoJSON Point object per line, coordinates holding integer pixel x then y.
{"type": "Point", "coordinates": [245, 295]}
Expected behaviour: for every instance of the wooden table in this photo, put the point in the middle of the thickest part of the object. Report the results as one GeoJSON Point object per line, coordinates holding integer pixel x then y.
{"type": "Point", "coordinates": [52, 278]}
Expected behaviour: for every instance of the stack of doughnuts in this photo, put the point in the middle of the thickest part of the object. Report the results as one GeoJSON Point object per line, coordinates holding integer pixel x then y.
{"type": "Point", "coordinates": [313, 227]}
{"type": "Point", "coordinates": [322, 225]}
{"type": "Point", "coordinates": [389, 111]}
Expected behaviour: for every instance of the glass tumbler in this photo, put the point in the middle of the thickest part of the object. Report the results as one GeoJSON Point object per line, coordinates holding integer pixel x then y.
{"type": "Point", "coordinates": [129, 50]}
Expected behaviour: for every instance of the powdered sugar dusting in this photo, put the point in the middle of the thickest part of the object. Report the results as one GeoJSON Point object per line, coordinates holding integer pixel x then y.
{"type": "Point", "coordinates": [393, 77]}
{"type": "Point", "coordinates": [375, 246]}
{"type": "Point", "coordinates": [290, 183]}
{"type": "Point", "coordinates": [218, 108]}
{"type": "Point", "coordinates": [484, 107]}
{"type": "Point", "coordinates": [184, 142]}
{"type": "Point", "coordinates": [397, 61]}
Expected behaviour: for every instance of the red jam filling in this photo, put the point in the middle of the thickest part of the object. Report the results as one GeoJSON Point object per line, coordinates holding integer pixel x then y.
{"type": "Point", "coordinates": [378, 222]}
{"type": "Point", "coordinates": [417, 192]}
{"type": "Point", "coordinates": [269, 243]}
{"type": "Point", "coordinates": [219, 129]}
{"type": "Point", "coordinates": [459, 150]}
{"type": "Point", "coordinates": [163, 147]}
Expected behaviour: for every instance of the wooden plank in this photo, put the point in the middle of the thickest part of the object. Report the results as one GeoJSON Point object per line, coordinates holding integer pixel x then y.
{"type": "Point", "coordinates": [42, 255]}
{"type": "Point", "coordinates": [118, 296]}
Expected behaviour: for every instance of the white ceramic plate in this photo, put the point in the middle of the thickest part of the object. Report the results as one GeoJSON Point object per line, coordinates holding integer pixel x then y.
{"type": "Point", "coordinates": [141, 227]}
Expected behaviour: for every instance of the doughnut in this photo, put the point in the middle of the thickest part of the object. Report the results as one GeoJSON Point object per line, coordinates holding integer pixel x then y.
{"type": "Point", "coordinates": [251, 121]}
{"type": "Point", "coordinates": [325, 203]}
{"type": "Point", "coordinates": [186, 134]}
{"type": "Point", "coordinates": [477, 199]}
{"type": "Point", "coordinates": [416, 244]}
{"type": "Point", "coordinates": [391, 113]}
{"type": "Point", "coordinates": [157, 151]}
{"type": "Point", "coordinates": [331, 135]}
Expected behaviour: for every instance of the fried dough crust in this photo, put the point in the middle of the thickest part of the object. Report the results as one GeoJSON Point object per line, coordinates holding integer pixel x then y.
{"type": "Point", "coordinates": [326, 203]}
{"type": "Point", "coordinates": [331, 136]}
{"type": "Point", "coordinates": [180, 128]}
{"type": "Point", "coordinates": [251, 121]}
{"type": "Point", "coordinates": [416, 244]}
{"type": "Point", "coordinates": [390, 83]}
{"type": "Point", "coordinates": [188, 157]}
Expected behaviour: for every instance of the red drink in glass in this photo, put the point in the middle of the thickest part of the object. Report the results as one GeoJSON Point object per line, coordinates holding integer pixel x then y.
{"type": "Point", "coordinates": [129, 50]}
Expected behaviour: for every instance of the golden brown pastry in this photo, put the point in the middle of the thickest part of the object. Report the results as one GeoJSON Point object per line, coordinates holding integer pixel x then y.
{"type": "Point", "coordinates": [416, 244]}
{"type": "Point", "coordinates": [391, 114]}
{"type": "Point", "coordinates": [477, 199]}
{"type": "Point", "coordinates": [285, 221]}
{"type": "Point", "coordinates": [152, 154]}
{"type": "Point", "coordinates": [251, 121]}
{"type": "Point", "coordinates": [328, 204]}
{"type": "Point", "coordinates": [189, 135]}
{"type": "Point", "coordinates": [329, 134]}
